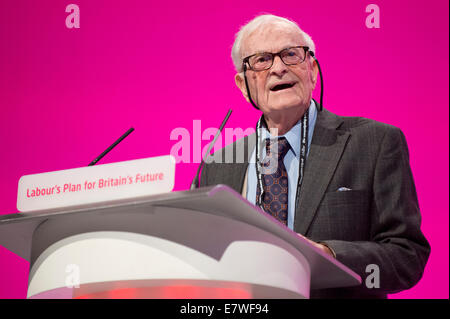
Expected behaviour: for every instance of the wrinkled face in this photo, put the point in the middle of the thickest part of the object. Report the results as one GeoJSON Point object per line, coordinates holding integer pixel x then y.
{"type": "Point", "coordinates": [282, 87]}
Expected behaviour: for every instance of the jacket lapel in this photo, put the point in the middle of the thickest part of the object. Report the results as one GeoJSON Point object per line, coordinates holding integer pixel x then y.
{"type": "Point", "coordinates": [327, 146]}
{"type": "Point", "coordinates": [238, 170]}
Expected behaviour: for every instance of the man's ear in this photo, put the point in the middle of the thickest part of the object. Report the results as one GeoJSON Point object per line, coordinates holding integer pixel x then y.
{"type": "Point", "coordinates": [315, 72]}
{"type": "Point", "coordinates": [240, 83]}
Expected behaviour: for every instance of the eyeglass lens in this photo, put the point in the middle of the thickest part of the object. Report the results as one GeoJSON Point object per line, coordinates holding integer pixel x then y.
{"type": "Point", "coordinates": [290, 56]}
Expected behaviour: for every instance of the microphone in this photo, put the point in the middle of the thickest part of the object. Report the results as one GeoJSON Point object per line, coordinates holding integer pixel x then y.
{"type": "Point", "coordinates": [247, 88]}
{"type": "Point", "coordinates": [195, 182]}
{"type": "Point", "coordinates": [111, 147]}
{"type": "Point", "coordinates": [321, 80]}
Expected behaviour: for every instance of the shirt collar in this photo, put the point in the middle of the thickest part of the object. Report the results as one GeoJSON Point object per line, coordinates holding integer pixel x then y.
{"type": "Point", "coordinates": [293, 135]}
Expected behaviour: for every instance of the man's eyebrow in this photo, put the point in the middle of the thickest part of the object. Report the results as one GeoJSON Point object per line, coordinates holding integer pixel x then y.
{"type": "Point", "coordinates": [262, 51]}
{"type": "Point", "coordinates": [258, 52]}
{"type": "Point", "coordinates": [265, 51]}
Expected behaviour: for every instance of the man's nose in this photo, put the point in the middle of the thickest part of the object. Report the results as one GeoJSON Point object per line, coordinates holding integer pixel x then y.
{"type": "Point", "coordinates": [278, 66]}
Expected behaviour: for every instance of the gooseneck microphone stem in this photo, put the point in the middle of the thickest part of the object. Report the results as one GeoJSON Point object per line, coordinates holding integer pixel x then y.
{"type": "Point", "coordinates": [111, 147]}
{"type": "Point", "coordinates": [248, 89]}
{"type": "Point", "coordinates": [195, 182]}
{"type": "Point", "coordinates": [321, 80]}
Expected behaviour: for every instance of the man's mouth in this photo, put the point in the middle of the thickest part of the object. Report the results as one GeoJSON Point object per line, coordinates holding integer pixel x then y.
{"type": "Point", "coordinates": [282, 86]}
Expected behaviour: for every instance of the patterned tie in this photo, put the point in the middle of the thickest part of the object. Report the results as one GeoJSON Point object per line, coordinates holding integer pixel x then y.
{"type": "Point", "coordinates": [275, 179]}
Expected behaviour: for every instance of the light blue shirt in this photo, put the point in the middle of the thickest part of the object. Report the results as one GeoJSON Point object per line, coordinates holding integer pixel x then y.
{"type": "Point", "coordinates": [291, 162]}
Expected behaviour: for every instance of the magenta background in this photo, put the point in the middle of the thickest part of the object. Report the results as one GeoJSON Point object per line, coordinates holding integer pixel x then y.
{"type": "Point", "coordinates": [65, 95]}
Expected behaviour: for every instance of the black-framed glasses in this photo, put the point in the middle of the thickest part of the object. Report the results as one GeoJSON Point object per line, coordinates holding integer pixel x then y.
{"type": "Point", "coordinates": [264, 61]}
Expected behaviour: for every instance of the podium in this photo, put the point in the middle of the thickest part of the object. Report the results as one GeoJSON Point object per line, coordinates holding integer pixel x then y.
{"type": "Point", "coordinates": [205, 243]}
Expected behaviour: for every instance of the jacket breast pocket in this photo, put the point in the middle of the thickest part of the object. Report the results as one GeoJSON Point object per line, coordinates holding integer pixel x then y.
{"type": "Point", "coordinates": [343, 215]}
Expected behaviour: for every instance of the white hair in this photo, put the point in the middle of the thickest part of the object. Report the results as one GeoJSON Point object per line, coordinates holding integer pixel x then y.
{"type": "Point", "coordinates": [255, 23]}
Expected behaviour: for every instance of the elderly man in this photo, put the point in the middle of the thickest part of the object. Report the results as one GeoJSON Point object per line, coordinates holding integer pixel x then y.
{"type": "Point", "coordinates": [342, 182]}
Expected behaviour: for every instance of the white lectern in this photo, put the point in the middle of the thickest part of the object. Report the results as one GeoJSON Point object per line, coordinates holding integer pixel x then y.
{"type": "Point", "coordinates": [205, 243]}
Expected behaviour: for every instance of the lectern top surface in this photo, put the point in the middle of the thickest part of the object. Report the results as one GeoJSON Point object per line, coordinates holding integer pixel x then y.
{"type": "Point", "coordinates": [16, 230]}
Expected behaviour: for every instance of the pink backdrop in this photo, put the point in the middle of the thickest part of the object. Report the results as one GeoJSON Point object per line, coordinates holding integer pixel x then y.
{"type": "Point", "coordinates": [67, 94]}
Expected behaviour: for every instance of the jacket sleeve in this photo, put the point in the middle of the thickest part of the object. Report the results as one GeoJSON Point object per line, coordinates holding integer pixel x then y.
{"type": "Point", "coordinates": [397, 245]}
{"type": "Point", "coordinates": [204, 175]}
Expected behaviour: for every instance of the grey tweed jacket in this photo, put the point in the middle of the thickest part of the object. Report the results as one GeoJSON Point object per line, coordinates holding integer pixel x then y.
{"type": "Point", "coordinates": [377, 221]}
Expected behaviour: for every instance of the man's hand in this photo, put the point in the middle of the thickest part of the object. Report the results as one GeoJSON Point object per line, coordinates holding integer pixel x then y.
{"type": "Point", "coordinates": [321, 247]}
